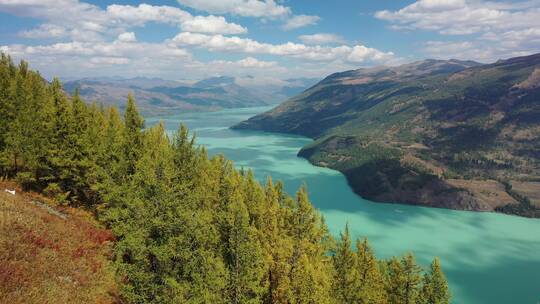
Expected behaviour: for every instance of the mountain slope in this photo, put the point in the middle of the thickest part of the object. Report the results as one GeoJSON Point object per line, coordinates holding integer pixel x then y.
{"type": "Point", "coordinates": [48, 256]}
{"type": "Point", "coordinates": [414, 133]}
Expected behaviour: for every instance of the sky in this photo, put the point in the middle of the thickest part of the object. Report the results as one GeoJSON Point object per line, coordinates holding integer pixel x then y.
{"type": "Point", "coordinates": [266, 39]}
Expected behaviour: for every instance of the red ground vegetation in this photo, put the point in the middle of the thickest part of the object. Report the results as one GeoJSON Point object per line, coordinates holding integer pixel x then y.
{"type": "Point", "coordinates": [46, 258]}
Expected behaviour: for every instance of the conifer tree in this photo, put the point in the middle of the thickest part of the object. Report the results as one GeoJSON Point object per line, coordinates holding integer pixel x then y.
{"type": "Point", "coordinates": [133, 135]}
{"type": "Point", "coordinates": [309, 270]}
{"type": "Point", "coordinates": [371, 284]}
{"type": "Point", "coordinates": [64, 150]}
{"type": "Point", "coordinates": [395, 280]}
{"type": "Point", "coordinates": [435, 287]}
{"type": "Point", "coordinates": [6, 102]}
{"type": "Point", "coordinates": [413, 279]}
{"type": "Point", "coordinates": [246, 263]}
{"type": "Point", "coordinates": [345, 272]}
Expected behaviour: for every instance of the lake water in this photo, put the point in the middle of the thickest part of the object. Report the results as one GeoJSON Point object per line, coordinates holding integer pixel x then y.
{"type": "Point", "coordinates": [488, 258]}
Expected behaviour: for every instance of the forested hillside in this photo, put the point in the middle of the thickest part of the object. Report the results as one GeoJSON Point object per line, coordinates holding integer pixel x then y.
{"type": "Point", "coordinates": [189, 228]}
{"type": "Point", "coordinates": [441, 133]}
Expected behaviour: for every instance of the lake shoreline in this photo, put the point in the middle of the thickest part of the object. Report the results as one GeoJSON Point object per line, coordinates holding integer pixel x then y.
{"type": "Point", "coordinates": [489, 258]}
{"type": "Point", "coordinates": [428, 195]}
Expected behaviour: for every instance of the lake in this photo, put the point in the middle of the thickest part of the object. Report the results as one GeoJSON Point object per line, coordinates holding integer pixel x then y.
{"type": "Point", "coordinates": [488, 258]}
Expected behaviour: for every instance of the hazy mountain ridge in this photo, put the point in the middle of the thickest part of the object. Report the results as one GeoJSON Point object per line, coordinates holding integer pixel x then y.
{"type": "Point", "coordinates": [159, 96]}
{"type": "Point", "coordinates": [414, 133]}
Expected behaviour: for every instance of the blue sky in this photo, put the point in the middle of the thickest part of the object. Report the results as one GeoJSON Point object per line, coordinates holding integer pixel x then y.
{"type": "Point", "coordinates": [268, 39]}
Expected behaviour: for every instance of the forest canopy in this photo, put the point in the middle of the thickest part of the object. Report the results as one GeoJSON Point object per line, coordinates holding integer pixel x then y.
{"type": "Point", "coordinates": [189, 227]}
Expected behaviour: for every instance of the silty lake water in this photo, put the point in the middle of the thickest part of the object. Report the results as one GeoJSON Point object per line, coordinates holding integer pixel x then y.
{"type": "Point", "coordinates": [488, 258]}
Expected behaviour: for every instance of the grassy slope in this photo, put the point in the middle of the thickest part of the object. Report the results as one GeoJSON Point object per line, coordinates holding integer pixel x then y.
{"type": "Point", "coordinates": [414, 133]}
{"type": "Point", "coordinates": [47, 259]}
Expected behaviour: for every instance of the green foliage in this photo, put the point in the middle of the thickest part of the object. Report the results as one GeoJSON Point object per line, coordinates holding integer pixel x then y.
{"type": "Point", "coordinates": [189, 228]}
{"type": "Point", "coordinates": [435, 288]}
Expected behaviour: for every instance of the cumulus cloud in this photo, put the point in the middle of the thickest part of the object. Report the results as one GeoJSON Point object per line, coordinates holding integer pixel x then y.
{"type": "Point", "coordinates": [493, 29]}
{"type": "Point", "coordinates": [460, 17]}
{"type": "Point", "coordinates": [212, 24]}
{"type": "Point", "coordinates": [248, 62]}
{"type": "Point", "coordinates": [98, 40]}
{"type": "Point", "coordinates": [321, 38]}
{"type": "Point", "coordinates": [44, 31]}
{"type": "Point", "coordinates": [109, 60]}
{"type": "Point", "coordinates": [139, 15]}
{"type": "Point", "coordinates": [299, 21]}
{"type": "Point", "coordinates": [296, 50]}
{"type": "Point", "coordinates": [247, 8]}
{"type": "Point", "coordinates": [478, 50]}
{"type": "Point", "coordinates": [103, 49]}
{"type": "Point", "coordinates": [84, 21]}
{"type": "Point", "coordinates": [268, 9]}
{"type": "Point", "coordinates": [127, 37]}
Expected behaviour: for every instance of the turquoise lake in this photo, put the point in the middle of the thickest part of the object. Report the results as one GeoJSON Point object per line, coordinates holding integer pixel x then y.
{"type": "Point", "coordinates": [488, 258]}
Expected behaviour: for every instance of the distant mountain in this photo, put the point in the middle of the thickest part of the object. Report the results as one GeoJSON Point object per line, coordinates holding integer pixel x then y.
{"type": "Point", "coordinates": [158, 96]}
{"type": "Point", "coordinates": [442, 133]}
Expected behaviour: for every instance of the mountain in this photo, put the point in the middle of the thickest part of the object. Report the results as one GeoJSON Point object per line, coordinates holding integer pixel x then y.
{"type": "Point", "coordinates": [452, 134]}
{"type": "Point", "coordinates": [158, 96]}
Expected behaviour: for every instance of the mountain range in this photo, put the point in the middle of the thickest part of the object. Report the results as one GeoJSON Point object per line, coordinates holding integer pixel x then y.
{"type": "Point", "coordinates": [157, 96]}
{"type": "Point", "coordinates": [440, 133]}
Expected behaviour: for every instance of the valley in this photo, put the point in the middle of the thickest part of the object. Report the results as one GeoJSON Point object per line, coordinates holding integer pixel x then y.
{"type": "Point", "coordinates": [451, 134]}
{"type": "Point", "coordinates": [484, 254]}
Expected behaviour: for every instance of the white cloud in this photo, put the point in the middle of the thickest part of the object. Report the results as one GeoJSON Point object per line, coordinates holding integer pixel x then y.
{"type": "Point", "coordinates": [44, 31]}
{"type": "Point", "coordinates": [507, 47]}
{"type": "Point", "coordinates": [253, 8]}
{"type": "Point", "coordinates": [63, 17]}
{"type": "Point", "coordinates": [109, 60]}
{"type": "Point", "coordinates": [103, 41]}
{"type": "Point", "coordinates": [102, 49]}
{"type": "Point", "coordinates": [212, 24]}
{"type": "Point", "coordinates": [139, 15]}
{"type": "Point", "coordinates": [87, 22]}
{"type": "Point", "coordinates": [222, 43]}
{"type": "Point", "coordinates": [251, 62]}
{"type": "Point", "coordinates": [127, 37]}
{"type": "Point", "coordinates": [321, 38]}
{"type": "Point", "coordinates": [460, 17]}
{"type": "Point", "coordinates": [299, 21]}
{"type": "Point", "coordinates": [247, 8]}
{"type": "Point", "coordinates": [493, 30]}
{"type": "Point", "coordinates": [361, 53]}
{"type": "Point", "coordinates": [248, 62]}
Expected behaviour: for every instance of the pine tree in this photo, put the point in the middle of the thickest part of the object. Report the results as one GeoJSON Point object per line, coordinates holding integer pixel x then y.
{"type": "Point", "coordinates": [309, 268]}
{"type": "Point", "coordinates": [133, 136]}
{"type": "Point", "coordinates": [246, 263]}
{"type": "Point", "coordinates": [346, 276]}
{"type": "Point", "coordinates": [63, 152]}
{"type": "Point", "coordinates": [371, 284]}
{"type": "Point", "coordinates": [411, 274]}
{"type": "Point", "coordinates": [395, 280]}
{"type": "Point", "coordinates": [7, 109]}
{"type": "Point", "coordinates": [435, 287]}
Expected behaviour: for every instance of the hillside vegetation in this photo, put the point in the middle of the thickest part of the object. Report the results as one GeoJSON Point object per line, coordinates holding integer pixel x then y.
{"type": "Point", "coordinates": [452, 134]}
{"type": "Point", "coordinates": [48, 256]}
{"type": "Point", "coordinates": [188, 228]}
